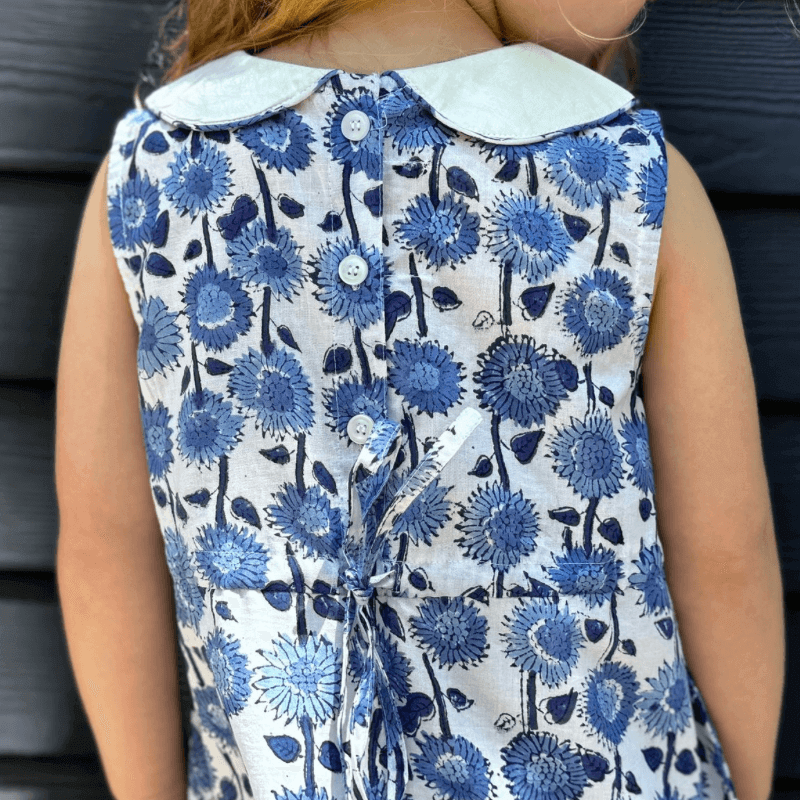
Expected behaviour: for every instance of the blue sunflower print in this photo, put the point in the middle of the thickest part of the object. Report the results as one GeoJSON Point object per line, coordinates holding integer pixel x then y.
{"type": "Point", "coordinates": [609, 700]}
{"type": "Point", "coordinates": [588, 455]}
{"type": "Point", "coordinates": [188, 597]}
{"type": "Point", "coordinates": [275, 387]}
{"type": "Point", "coordinates": [587, 168]}
{"type": "Point", "coordinates": [518, 381]}
{"type": "Point", "coordinates": [651, 580]}
{"type": "Point", "coordinates": [530, 235]}
{"type": "Point", "coordinates": [229, 667]}
{"type": "Point", "coordinates": [445, 235]}
{"type": "Point", "coordinates": [593, 577]}
{"type": "Point", "coordinates": [350, 397]}
{"type": "Point", "coordinates": [159, 337]}
{"type": "Point", "coordinates": [453, 767]}
{"type": "Point", "coordinates": [397, 666]}
{"type": "Point", "coordinates": [425, 375]}
{"type": "Point", "coordinates": [218, 308]}
{"type": "Point", "coordinates": [362, 304]}
{"type": "Point", "coordinates": [132, 212]}
{"type": "Point", "coordinates": [309, 520]}
{"type": "Point", "coordinates": [280, 142]}
{"type": "Point", "coordinates": [452, 630]}
{"type": "Point", "coordinates": [426, 515]}
{"type": "Point", "coordinates": [364, 155]}
{"type": "Point", "coordinates": [666, 707]}
{"type": "Point", "coordinates": [301, 678]}
{"type": "Point", "coordinates": [636, 442]}
{"type": "Point", "coordinates": [199, 179]}
{"type": "Point", "coordinates": [157, 438]}
{"type": "Point", "coordinates": [543, 638]}
{"type": "Point", "coordinates": [231, 557]}
{"type": "Point", "coordinates": [208, 428]}
{"type": "Point", "coordinates": [499, 526]}
{"type": "Point", "coordinates": [597, 310]}
{"type": "Point", "coordinates": [276, 264]}
{"type": "Point", "coordinates": [410, 122]}
{"type": "Point", "coordinates": [652, 182]}
{"type": "Point", "coordinates": [539, 767]}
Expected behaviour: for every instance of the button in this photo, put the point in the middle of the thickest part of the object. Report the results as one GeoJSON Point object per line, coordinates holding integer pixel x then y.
{"type": "Point", "coordinates": [359, 428]}
{"type": "Point", "coordinates": [355, 125]}
{"type": "Point", "coordinates": [353, 270]}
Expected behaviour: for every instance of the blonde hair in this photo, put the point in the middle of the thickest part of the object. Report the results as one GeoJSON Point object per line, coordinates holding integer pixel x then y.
{"type": "Point", "coordinates": [194, 32]}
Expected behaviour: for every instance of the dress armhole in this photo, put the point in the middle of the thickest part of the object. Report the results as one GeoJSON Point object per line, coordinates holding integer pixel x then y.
{"type": "Point", "coordinates": [121, 191]}
{"type": "Point", "coordinates": [650, 181]}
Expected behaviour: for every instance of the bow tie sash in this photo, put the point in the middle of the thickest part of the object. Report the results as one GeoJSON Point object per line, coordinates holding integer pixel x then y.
{"type": "Point", "coordinates": [360, 580]}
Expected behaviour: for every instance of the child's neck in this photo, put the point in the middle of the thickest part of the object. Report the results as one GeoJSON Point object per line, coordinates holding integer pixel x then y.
{"type": "Point", "coordinates": [397, 34]}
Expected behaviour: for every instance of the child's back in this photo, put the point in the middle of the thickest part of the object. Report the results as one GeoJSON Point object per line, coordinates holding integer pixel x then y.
{"type": "Point", "coordinates": [392, 326]}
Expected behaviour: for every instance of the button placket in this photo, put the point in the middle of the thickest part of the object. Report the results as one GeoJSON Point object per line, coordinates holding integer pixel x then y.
{"type": "Point", "coordinates": [370, 226]}
{"type": "Point", "coordinates": [369, 340]}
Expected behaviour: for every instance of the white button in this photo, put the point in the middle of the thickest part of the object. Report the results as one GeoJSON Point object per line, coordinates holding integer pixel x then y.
{"type": "Point", "coordinates": [355, 125]}
{"type": "Point", "coordinates": [353, 270]}
{"type": "Point", "coordinates": [359, 428]}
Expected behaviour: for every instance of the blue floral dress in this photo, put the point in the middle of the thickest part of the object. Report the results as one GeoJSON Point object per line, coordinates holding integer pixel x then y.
{"type": "Point", "coordinates": [391, 330]}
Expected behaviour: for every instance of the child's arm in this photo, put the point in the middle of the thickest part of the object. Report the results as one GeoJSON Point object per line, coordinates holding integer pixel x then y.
{"type": "Point", "coordinates": [113, 582]}
{"type": "Point", "coordinates": [712, 498]}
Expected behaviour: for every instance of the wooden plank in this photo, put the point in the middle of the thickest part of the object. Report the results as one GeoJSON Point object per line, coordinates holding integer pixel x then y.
{"type": "Point", "coordinates": [39, 705]}
{"type": "Point", "coordinates": [763, 244]}
{"type": "Point", "coordinates": [69, 68]}
{"type": "Point", "coordinates": [28, 515]}
{"type": "Point", "coordinates": [41, 713]}
{"type": "Point", "coordinates": [781, 442]}
{"type": "Point", "coordinates": [787, 761]}
{"type": "Point", "coordinates": [39, 220]}
{"type": "Point", "coordinates": [725, 75]}
{"type": "Point", "coordinates": [52, 778]}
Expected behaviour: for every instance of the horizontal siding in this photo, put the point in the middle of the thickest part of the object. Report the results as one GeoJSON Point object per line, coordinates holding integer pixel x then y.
{"type": "Point", "coordinates": [29, 519]}
{"type": "Point", "coordinates": [68, 71]}
{"type": "Point", "coordinates": [39, 221]}
{"type": "Point", "coordinates": [725, 76]}
{"type": "Point", "coordinates": [787, 762]}
{"type": "Point", "coordinates": [763, 242]}
{"type": "Point", "coordinates": [52, 778]}
{"type": "Point", "coordinates": [41, 715]}
{"type": "Point", "coordinates": [38, 702]}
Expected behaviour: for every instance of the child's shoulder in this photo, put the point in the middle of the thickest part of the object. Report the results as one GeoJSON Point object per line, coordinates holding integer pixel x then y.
{"type": "Point", "coordinates": [698, 385]}
{"type": "Point", "coordinates": [689, 217]}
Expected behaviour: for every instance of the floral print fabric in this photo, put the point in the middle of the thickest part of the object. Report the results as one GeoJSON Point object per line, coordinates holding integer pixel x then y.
{"type": "Point", "coordinates": [472, 604]}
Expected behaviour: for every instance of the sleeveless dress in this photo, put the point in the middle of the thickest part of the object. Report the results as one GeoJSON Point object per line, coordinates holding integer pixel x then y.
{"type": "Point", "coordinates": [391, 330]}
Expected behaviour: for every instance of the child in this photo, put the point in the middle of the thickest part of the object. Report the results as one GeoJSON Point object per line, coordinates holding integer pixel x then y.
{"type": "Point", "coordinates": [376, 349]}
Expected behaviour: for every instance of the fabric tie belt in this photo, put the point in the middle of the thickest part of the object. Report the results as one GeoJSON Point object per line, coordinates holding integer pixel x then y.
{"type": "Point", "coordinates": [360, 582]}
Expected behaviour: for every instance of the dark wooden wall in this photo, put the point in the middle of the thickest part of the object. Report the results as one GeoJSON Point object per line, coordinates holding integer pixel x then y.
{"type": "Point", "coordinates": [725, 74]}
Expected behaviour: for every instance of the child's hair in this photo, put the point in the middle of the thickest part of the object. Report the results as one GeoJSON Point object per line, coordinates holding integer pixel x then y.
{"type": "Point", "coordinates": [194, 32]}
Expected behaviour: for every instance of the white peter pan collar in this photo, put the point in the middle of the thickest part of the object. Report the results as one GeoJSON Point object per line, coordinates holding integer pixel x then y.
{"type": "Point", "coordinates": [508, 95]}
